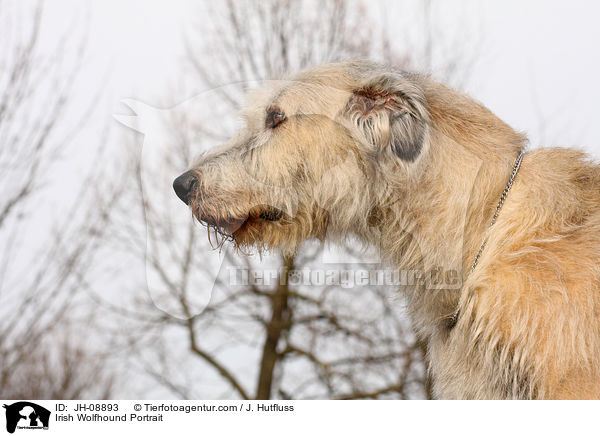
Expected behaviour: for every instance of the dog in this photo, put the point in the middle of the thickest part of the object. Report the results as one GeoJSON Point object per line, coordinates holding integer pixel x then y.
{"type": "Point", "coordinates": [422, 171]}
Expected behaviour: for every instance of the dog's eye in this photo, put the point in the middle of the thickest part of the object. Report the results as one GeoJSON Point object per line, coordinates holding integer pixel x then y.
{"type": "Point", "coordinates": [274, 118]}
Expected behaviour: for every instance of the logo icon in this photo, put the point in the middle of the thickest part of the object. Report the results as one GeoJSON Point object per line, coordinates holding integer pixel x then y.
{"type": "Point", "coordinates": [26, 415]}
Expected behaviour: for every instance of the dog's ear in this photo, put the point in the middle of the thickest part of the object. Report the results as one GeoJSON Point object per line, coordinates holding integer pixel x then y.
{"type": "Point", "coordinates": [389, 111]}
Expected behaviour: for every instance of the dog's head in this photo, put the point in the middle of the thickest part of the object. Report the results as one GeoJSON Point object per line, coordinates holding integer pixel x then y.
{"type": "Point", "coordinates": [315, 156]}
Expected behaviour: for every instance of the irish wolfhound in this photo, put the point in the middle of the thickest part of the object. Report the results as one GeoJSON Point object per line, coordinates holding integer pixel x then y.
{"type": "Point", "coordinates": [399, 160]}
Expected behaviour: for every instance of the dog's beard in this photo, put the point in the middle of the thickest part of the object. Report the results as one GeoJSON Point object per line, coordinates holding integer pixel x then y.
{"type": "Point", "coordinates": [239, 228]}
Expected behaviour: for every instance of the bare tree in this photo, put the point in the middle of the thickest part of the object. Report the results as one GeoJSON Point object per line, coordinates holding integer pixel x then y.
{"type": "Point", "coordinates": [261, 340]}
{"type": "Point", "coordinates": [44, 259]}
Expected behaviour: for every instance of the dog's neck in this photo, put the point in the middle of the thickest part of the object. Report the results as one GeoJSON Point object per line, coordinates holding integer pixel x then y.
{"type": "Point", "coordinates": [439, 221]}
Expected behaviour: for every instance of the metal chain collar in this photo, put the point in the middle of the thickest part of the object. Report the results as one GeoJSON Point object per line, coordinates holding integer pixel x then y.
{"type": "Point", "coordinates": [509, 184]}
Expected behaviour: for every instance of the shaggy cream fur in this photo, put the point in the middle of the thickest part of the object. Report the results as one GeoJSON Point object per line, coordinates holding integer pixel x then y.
{"type": "Point", "coordinates": [417, 168]}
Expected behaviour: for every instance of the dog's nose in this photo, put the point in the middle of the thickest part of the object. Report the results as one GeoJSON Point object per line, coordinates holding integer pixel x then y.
{"type": "Point", "coordinates": [184, 186]}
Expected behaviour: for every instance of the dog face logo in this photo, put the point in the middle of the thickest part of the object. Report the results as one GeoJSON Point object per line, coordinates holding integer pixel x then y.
{"type": "Point", "coordinates": [26, 415]}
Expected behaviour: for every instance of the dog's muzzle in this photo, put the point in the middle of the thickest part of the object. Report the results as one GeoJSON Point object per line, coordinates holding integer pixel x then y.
{"type": "Point", "coordinates": [185, 185]}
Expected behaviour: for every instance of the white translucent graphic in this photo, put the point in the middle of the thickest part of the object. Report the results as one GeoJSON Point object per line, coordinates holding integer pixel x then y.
{"type": "Point", "coordinates": [177, 247]}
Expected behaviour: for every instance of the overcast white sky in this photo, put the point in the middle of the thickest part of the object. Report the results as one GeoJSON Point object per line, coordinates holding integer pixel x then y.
{"type": "Point", "coordinates": [542, 63]}
{"type": "Point", "coordinates": [538, 69]}
{"type": "Point", "coordinates": [538, 65]}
